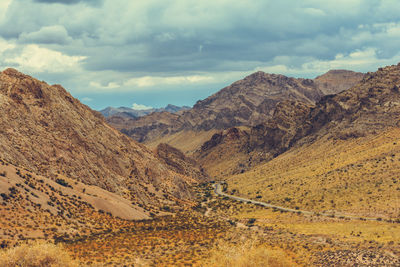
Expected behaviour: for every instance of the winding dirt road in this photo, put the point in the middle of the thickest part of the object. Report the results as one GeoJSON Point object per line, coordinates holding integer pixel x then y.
{"type": "Point", "coordinates": [218, 190]}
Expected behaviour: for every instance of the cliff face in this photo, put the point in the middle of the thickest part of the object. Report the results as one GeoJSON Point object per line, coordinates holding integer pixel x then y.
{"type": "Point", "coordinates": [46, 130]}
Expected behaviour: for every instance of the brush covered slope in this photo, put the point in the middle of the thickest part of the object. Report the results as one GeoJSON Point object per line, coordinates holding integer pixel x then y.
{"type": "Point", "coordinates": [46, 130]}
{"type": "Point", "coordinates": [247, 102]}
{"type": "Point", "coordinates": [38, 208]}
{"type": "Point", "coordinates": [344, 155]}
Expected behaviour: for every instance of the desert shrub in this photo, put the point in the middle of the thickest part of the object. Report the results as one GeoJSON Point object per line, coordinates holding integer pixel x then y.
{"type": "Point", "coordinates": [251, 221]}
{"type": "Point", "coordinates": [36, 255]}
{"type": "Point", "coordinates": [249, 253]}
{"type": "Point", "coordinates": [62, 182]}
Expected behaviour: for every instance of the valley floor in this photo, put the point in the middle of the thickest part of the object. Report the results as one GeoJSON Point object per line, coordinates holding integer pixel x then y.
{"type": "Point", "coordinates": [220, 230]}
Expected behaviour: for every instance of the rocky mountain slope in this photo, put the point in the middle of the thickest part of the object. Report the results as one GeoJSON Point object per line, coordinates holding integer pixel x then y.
{"type": "Point", "coordinates": [134, 113]}
{"type": "Point", "coordinates": [367, 108]}
{"type": "Point", "coordinates": [179, 162]}
{"type": "Point", "coordinates": [336, 81]}
{"type": "Point", "coordinates": [250, 101]}
{"type": "Point", "coordinates": [340, 156]}
{"type": "Point", "coordinates": [44, 129]}
{"type": "Point", "coordinates": [239, 149]}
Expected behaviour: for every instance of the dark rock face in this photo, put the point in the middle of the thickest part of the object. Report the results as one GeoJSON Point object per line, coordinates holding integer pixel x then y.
{"type": "Point", "coordinates": [258, 143]}
{"type": "Point", "coordinates": [370, 106]}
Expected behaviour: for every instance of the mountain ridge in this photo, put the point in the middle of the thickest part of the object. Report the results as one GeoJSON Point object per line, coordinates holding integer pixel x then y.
{"type": "Point", "coordinates": [135, 113]}
{"type": "Point", "coordinates": [46, 130]}
{"type": "Point", "coordinates": [246, 102]}
{"type": "Point", "coordinates": [366, 108]}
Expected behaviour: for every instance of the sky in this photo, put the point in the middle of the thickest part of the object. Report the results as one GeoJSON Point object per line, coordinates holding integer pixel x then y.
{"type": "Point", "coordinates": [157, 52]}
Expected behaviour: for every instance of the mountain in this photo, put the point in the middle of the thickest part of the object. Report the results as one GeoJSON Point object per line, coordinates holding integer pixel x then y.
{"type": "Point", "coordinates": [179, 162]}
{"type": "Point", "coordinates": [237, 150]}
{"type": "Point", "coordinates": [48, 132]}
{"type": "Point", "coordinates": [134, 113]}
{"type": "Point", "coordinates": [340, 155]}
{"type": "Point", "coordinates": [247, 102]}
{"type": "Point", "coordinates": [367, 107]}
{"type": "Point", "coordinates": [336, 81]}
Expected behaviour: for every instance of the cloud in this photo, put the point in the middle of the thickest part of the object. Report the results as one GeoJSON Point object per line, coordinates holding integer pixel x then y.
{"type": "Point", "coordinates": [70, 2]}
{"type": "Point", "coordinates": [110, 85]}
{"type": "Point", "coordinates": [142, 46]}
{"type": "Point", "coordinates": [3, 8]}
{"type": "Point", "coordinates": [361, 60]}
{"type": "Point", "coordinates": [34, 58]}
{"type": "Point", "coordinates": [5, 45]}
{"type": "Point", "coordinates": [87, 99]}
{"type": "Point", "coordinates": [148, 81]}
{"type": "Point", "coordinates": [140, 107]}
{"type": "Point", "coordinates": [56, 34]}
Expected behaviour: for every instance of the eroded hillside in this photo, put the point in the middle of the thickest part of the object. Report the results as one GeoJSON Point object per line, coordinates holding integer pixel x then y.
{"type": "Point", "coordinates": [46, 130]}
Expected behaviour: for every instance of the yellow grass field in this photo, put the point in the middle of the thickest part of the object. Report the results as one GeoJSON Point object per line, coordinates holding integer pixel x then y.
{"type": "Point", "coordinates": [358, 177]}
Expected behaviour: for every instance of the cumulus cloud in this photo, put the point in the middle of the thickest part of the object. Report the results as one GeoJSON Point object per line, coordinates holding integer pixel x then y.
{"type": "Point", "coordinates": [34, 58]}
{"type": "Point", "coordinates": [56, 34]}
{"type": "Point", "coordinates": [5, 45]}
{"type": "Point", "coordinates": [140, 107]}
{"type": "Point", "coordinates": [147, 81]}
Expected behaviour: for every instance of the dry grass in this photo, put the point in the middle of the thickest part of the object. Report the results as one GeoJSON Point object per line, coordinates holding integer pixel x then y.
{"type": "Point", "coordinates": [186, 141]}
{"type": "Point", "coordinates": [248, 253]}
{"type": "Point", "coordinates": [314, 239]}
{"type": "Point", "coordinates": [356, 176]}
{"type": "Point", "coordinates": [36, 255]}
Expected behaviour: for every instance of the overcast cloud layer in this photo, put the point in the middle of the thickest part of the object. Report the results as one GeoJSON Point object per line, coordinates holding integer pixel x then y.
{"type": "Point", "coordinates": [154, 52]}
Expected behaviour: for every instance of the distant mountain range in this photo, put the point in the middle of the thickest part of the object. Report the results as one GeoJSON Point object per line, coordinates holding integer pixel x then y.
{"type": "Point", "coordinates": [135, 113]}
{"type": "Point", "coordinates": [247, 102]}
